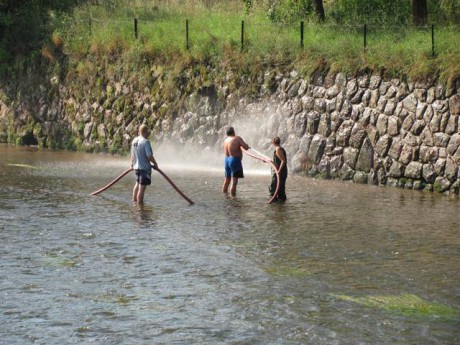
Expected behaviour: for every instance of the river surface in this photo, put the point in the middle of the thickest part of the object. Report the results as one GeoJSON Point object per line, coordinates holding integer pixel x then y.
{"type": "Point", "coordinates": [338, 263]}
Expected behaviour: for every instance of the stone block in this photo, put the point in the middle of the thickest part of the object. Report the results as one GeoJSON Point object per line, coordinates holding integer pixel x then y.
{"type": "Point", "coordinates": [395, 149]}
{"type": "Point", "coordinates": [408, 122]}
{"type": "Point", "coordinates": [372, 134]}
{"type": "Point", "coordinates": [344, 132]}
{"type": "Point", "coordinates": [324, 127]}
{"type": "Point", "coordinates": [374, 82]}
{"type": "Point", "coordinates": [335, 166]}
{"type": "Point", "coordinates": [441, 139]}
{"type": "Point", "coordinates": [428, 173]}
{"type": "Point", "coordinates": [308, 103]}
{"type": "Point", "coordinates": [414, 170]}
{"type": "Point", "coordinates": [381, 104]}
{"type": "Point", "coordinates": [390, 107]}
{"type": "Point", "coordinates": [426, 137]}
{"type": "Point", "coordinates": [365, 160]}
{"type": "Point", "coordinates": [382, 146]}
{"type": "Point", "coordinates": [439, 166]}
{"type": "Point", "coordinates": [374, 98]}
{"type": "Point", "coordinates": [407, 154]}
{"type": "Point", "coordinates": [332, 92]}
{"type": "Point", "coordinates": [382, 123]}
{"type": "Point", "coordinates": [352, 88]}
{"type": "Point", "coordinates": [360, 177]}
{"type": "Point", "coordinates": [396, 170]}
{"type": "Point", "coordinates": [410, 103]}
{"type": "Point", "coordinates": [313, 118]}
{"type": "Point", "coordinates": [451, 170]}
{"type": "Point", "coordinates": [346, 173]}
{"type": "Point", "coordinates": [417, 127]}
{"type": "Point", "coordinates": [454, 105]}
{"type": "Point", "coordinates": [394, 126]}
{"type": "Point", "coordinates": [316, 149]}
{"type": "Point", "coordinates": [421, 108]}
{"type": "Point", "coordinates": [452, 124]}
{"type": "Point", "coordinates": [358, 134]}
{"type": "Point", "coordinates": [441, 184]}
{"type": "Point", "coordinates": [428, 154]}
{"type": "Point", "coordinates": [350, 156]}
{"type": "Point", "coordinates": [454, 144]}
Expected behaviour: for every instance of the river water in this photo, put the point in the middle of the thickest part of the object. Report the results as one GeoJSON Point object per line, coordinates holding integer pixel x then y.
{"type": "Point", "coordinates": [338, 263]}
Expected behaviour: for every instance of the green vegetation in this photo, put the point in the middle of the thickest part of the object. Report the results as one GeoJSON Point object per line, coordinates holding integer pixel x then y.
{"type": "Point", "coordinates": [337, 44]}
{"type": "Point", "coordinates": [35, 30]}
{"type": "Point", "coordinates": [407, 305]}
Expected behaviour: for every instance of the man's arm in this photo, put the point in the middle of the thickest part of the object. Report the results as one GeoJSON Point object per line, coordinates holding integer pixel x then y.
{"type": "Point", "coordinates": [153, 161]}
{"type": "Point", "coordinates": [243, 144]}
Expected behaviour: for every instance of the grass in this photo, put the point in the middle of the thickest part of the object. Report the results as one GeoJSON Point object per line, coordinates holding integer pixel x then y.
{"type": "Point", "coordinates": [215, 35]}
{"type": "Point", "coordinates": [407, 305]}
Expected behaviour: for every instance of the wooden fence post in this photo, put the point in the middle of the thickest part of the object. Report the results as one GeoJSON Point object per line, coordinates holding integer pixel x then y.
{"type": "Point", "coordinates": [135, 28]}
{"type": "Point", "coordinates": [242, 35]}
{"type": "Point", "coordinates": [433, 52]}
{"type": "Point", "coordinates": [365, 37]}
{"type": "Point", "coordinates": [187, 45]}
{"type": "Point", "coordinates": [301, 34]}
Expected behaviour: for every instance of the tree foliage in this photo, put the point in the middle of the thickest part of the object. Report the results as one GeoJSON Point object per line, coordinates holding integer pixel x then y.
{"type": "Point", "coordinates": [25, 26]}
{"type": "Point", "coordinates": [377, 12]}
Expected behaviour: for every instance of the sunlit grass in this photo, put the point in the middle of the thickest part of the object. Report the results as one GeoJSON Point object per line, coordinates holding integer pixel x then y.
{"type": "Point", "coordinates": [215, 33]}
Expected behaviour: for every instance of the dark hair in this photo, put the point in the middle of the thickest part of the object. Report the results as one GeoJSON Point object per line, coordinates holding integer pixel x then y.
{"type": "Point", "coordinates": [276, 140]}
{"type": "Point", "coordinates": [230, 131]}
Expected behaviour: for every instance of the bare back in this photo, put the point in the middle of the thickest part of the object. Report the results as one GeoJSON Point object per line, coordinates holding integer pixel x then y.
{"type": "Point", "coordinates": [233, 145]}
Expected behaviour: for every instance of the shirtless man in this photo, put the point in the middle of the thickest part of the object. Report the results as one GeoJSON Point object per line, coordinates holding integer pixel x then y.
{"type": "Point", "coordinates": [233, 157]}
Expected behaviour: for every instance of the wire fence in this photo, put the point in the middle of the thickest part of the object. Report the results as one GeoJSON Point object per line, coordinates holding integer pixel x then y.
{"type": "Point", "coordinates": [246, 35]}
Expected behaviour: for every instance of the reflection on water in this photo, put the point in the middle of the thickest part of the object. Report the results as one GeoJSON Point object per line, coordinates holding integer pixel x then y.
{"type": "Point", "coordinates": [337, 264]}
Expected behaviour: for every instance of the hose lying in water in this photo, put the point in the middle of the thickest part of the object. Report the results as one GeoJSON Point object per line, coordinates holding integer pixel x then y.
{"type": "Point", "coordinates": [131, 169]}
{"type": "Point", "coordinates": [112, 183]}
{"type": "Point", "coordinates": [265, 159]}
{"type": "Point", "coordinates": [173, 185]}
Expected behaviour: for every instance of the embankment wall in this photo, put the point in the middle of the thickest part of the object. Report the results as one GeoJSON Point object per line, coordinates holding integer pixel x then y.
{"type": "Point", "coordinates": [366, 128]}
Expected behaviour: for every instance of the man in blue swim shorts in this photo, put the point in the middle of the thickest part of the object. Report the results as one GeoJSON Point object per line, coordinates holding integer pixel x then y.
{"type": "Point", "coordinates": [141, 157]}
{"type": "Point", "coordinates": [233, 157]}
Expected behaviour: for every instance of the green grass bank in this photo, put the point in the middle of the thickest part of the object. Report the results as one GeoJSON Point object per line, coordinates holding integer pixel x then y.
{"type": "Point", "coordinates": [224, 34]}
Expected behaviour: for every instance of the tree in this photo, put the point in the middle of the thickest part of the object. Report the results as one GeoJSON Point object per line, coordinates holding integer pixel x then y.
{"type": "Point", "coordinates": [319, 9]}
{"type": "Point", "coordinates": [419, 12]}
{"type": "Point", "coordinates": [25, 25]}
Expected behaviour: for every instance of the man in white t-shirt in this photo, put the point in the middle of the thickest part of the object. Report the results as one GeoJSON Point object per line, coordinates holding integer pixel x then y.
{"type": "Point", "coordinates": [141, 157]}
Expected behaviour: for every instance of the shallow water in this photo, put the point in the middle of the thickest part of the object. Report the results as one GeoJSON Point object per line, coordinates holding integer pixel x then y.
{"type": "Point", "coordinates": [337, 264]}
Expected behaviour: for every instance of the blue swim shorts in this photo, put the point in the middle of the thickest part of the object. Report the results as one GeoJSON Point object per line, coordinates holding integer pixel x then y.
{"type": "Point", "coordinates": [143, 177]}
{"type": "Point", "coordinates": [233, 167]}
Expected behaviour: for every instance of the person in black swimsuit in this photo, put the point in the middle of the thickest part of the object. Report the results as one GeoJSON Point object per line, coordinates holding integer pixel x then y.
{"type": "Point", "coordinates": [280, 160]}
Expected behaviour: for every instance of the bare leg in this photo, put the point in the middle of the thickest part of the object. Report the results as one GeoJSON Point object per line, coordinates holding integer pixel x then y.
{"type": "Point", "coordinates": [234, 184]}
{"type": "Point", "coordinates": [135, 191]}
{"type": "Point", "coordinates": [226, 184]}
{"type": "Point", "coordinates": [140, 194]}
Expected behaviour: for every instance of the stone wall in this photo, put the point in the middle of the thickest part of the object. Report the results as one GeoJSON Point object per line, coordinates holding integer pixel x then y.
{"type": "Point", "coordinates": [366, 129]}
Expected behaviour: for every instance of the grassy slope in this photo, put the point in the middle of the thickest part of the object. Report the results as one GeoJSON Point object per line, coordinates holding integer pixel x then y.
{"type": "Point", "coordinates": [215, 38]}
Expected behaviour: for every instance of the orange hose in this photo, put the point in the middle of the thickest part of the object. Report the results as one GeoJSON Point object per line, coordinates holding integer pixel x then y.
{"type": "Point", "coordinates": [266, 160]}
{"type": "Point", "coordinates": [174, 186]}
{"type": "Point", "coordinates": [112, 183]}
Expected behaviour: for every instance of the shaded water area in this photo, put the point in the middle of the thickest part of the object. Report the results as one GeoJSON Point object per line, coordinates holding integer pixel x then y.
{"type": "Point", "coordinates": [338, 263]}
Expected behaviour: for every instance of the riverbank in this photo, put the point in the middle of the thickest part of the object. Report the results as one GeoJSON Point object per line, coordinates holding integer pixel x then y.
{"type": "Point", "coordinates": [365, 125]}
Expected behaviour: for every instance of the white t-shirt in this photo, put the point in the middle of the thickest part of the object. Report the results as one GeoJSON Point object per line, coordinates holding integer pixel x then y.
{"type": "Point", "coordinates": [141, 150]}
